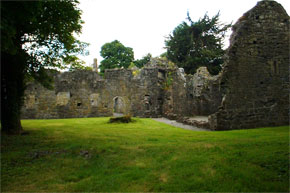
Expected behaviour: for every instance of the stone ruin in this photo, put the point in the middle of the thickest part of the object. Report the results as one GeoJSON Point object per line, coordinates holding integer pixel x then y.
{"type": "Point", "coordinates": [95, 65]}
{"type": "Point", "coordinates": [255, 79]}
{"type": "Point", "coordinates": [251, 91]}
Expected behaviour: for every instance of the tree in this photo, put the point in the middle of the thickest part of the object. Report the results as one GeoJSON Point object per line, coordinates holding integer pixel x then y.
{"type": "Point", "coordinates": [144, 60]}
{"type": "Point", "coordinates": [195, 44]}
{"type": "Point", "coordinates": [35, 35]}
{"type": "Point", "coordinates": [116, 55]}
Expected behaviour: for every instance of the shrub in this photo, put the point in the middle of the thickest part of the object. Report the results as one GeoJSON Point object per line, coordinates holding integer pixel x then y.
{"type": "Point", "coordinates": [122, 119]}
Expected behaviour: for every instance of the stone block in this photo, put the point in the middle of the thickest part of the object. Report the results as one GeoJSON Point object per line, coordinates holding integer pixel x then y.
{"type": "Point", "coordinates": [62, 98]}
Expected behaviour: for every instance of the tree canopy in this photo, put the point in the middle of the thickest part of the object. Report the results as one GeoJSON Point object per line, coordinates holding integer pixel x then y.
{"type": "Point", "coordinates": [194, 44]}
{"type": "Point", "coordinates": [35, 35]}
{"type": "Point", "coordinates": [116, 55]}
{"type": "Point", "coordinates": [144, 60]}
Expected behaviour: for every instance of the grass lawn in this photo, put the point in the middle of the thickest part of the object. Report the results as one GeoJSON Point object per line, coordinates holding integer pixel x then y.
{"type": "Point", "coordinates": [91, 155]}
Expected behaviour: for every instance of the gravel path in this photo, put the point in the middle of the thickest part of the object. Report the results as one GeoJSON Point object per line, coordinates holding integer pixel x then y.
{"type": "Point", "coordinates": [180, 125]}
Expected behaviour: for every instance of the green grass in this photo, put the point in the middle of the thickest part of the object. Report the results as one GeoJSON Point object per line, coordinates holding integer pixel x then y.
{"type": "Point", "coordinates": [91, 155]}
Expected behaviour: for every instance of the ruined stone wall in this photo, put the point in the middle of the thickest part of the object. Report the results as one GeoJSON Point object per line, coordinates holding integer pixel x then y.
{"type": "Point", "coordinates": [191, 95]}
{"type": "Point", "coordinates": [203, 90]}
{"type": "Point", "coordinates": [86, 94]}
{"type": "Point", "coordinates": [152, 92]}
{"type": "Point", "coordinates": [255, 79]}
{"type": "Point", "coordinates": [75, 94]}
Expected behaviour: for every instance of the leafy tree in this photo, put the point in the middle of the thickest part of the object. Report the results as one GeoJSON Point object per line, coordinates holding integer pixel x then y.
{"type": "Point", "coordinates": [144, 60]}
{"type": "Point", "coordinates": [195, 44]}
{"type": "Point", "coordinates": [115, 55]}
{"type": "Point", "coordinates": [35, 35]}
{"type": "Point", "coordinates": [163, 55]}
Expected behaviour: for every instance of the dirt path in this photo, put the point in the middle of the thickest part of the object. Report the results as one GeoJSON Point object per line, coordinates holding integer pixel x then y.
{"type": "Point", "coordinates": [181, 125]}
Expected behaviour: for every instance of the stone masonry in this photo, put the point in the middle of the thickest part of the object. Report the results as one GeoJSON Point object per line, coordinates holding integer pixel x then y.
{"type": "Point", "coordinates": [255, 79]}
{"type": "Point", "coordinates": [251, 91]}
{"type": "Point", "coordinates": [87, 94]}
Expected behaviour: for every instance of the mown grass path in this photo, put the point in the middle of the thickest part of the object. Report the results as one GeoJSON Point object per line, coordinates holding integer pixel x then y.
{"type": "Point", "coordinates": [74, 155]}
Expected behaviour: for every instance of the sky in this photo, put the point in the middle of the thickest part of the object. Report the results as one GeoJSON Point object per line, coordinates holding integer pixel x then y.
{"type": "Point", "coordinates": [144, 24]}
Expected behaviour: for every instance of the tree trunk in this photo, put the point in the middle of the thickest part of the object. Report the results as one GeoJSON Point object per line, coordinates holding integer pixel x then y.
{"type": "Point", "coordinates": [12, 91]}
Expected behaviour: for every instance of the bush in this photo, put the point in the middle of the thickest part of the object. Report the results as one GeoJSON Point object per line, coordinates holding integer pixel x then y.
{"type": "Point", "coordinates": [122, 119]}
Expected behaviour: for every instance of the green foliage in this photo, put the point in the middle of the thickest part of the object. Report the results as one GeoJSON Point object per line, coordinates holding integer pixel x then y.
{"type": "Point", "coordinates": [87, 68]}
{"type": "Point", "coordinates": [91, 155]}
{"type": "Point", "coordinates": [163, 55]}
{"type": "Point", "coordinates": [195, 44]}
{"type": "Point", "coordinates": [116, 55]}
{"type": "Point", "coordinates": [80, 67]}
{"type": "Point", "coordinates": [135, 69]}
{"type": "Point", "coordinates": [136, 72]}
{"type": "Point", "coordinates": [168, 81]}
{"type": "Point", "coordinates": [44, 29]}
{"type": "Point", "coordinates": [35, 35]}
{"type": "Point", "coordinates": [122, 119]}
{"type": "Point", "coordinates": [144, 60]}
{"type": "Point", "coordinates": [132, 65]}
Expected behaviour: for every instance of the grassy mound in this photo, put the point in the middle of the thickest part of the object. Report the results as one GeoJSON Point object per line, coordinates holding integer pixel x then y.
{"type": "Point", "coordinates": [91, 155]}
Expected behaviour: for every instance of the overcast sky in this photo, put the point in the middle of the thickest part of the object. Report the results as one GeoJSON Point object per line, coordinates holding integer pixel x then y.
{"type": "Point", "coordinates": [144, 24]}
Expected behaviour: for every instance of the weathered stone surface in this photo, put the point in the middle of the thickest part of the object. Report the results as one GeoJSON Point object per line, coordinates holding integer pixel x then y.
{"type": "Point", "coordinates": [62, 98]}
{"type": "Point", "coordinates": [86, 94]}
{"type": "Point", "coordinates": [154, 92]}
{"type": "Point", "coordinates": [95, 65]}
{"type": "Point", "coordinates": [255, 79]}
{"type": "Point", "coordinates": [191, 95]}
{"type": "Point", "coordinates": [197, 121]}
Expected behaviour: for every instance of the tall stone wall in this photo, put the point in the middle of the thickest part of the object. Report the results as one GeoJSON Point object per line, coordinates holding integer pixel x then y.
{"type": "Point", "coordinates": [255, 79]}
